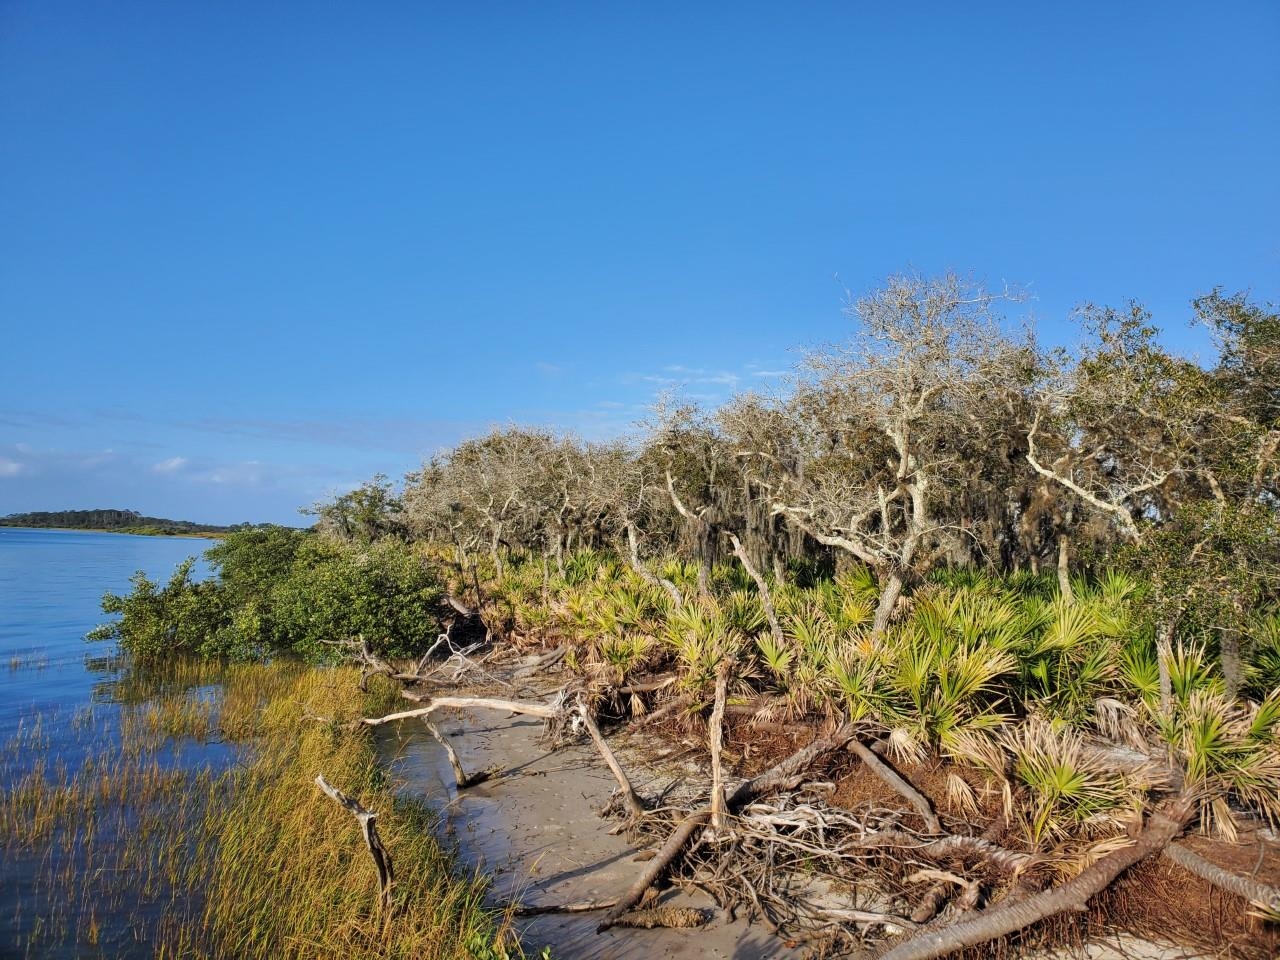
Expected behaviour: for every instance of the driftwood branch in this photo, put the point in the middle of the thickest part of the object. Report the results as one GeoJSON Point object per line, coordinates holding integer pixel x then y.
{"type": "Point", "coordinates": [629, 796]}
{"type": "Point", "coordinates": [546, 711]}
{"type": "Point", "coordinates": [582, 906]}
{"type": "Point", "coordinates": [369, 828]}
{"type": "Point", "coordinates": [459, 774]}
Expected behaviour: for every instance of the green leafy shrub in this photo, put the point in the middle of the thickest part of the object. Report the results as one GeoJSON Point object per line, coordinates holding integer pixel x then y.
{"type": "Point", "coordinates": [281, 591]}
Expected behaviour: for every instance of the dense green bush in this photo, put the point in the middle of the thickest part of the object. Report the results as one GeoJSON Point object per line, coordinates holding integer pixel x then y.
{"type": "Point", "coordinates": [275, 591]}
{"type": "Point", "coordinates": [183, 616]}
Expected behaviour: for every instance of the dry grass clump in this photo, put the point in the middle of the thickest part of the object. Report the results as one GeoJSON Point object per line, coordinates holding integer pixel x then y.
{"type": "Point", "coordinates": [160, 836]}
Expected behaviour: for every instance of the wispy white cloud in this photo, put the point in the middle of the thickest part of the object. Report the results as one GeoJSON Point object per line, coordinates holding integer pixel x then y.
{"type": "Point", "coordinates": [249, 473]}
{"type": "Point", "coordinates": [97, 459]}
{"type": "Point", "coordinates": [172, 465]}
{"type": "Point", "coordinates": [549, 369]}
{"type": "Point", "coordinates": [10, 468]}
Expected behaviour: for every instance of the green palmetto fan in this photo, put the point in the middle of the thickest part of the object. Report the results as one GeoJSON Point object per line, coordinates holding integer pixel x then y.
{"type": "Point", "coordinates": [744, 612]}
{"type": "Point", "coordinates": [731, 576]}
{"type": "Point", "coordinates": [776, 657]}
{"type": "Point", "coordinates": [683, 573]}
{"type": "Point", "coordinates": [700, 637]}
{"type": "Point", "coordinates": [858, 582]}
{"type": "Point", "coordinates": [623, 654]}
{"type": "Point", "coordinates": [1264, 660]}
{"type": "Point", "coordinates": [937, 685]}
{"type": "Point", "coordinates": [1229, 751]}
{"type": "Point", "coordinates": [853, 679]}
{"type": "Point", "coordinates": [1056, 788]}
{"type": "Point", "coordinates": [1072, 659]}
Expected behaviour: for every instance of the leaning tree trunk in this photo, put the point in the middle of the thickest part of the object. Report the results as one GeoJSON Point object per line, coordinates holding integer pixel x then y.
{"type": "Point", "coordinates": [495, 553]}
{"type": "Point", "coordinates": [1164, 652]}
{"type": "Point", "coordinates": [889, 595]}
{"type": "Point", "coordinates": [1064, 569]}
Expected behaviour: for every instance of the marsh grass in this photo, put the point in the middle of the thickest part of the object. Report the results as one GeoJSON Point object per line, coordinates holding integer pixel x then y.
{"type": "Point", "coordinates": [192, 827]}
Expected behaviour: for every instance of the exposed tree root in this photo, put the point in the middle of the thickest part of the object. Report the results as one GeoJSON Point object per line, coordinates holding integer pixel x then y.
{"type": "Point", "coordinates": [812, 872]}
{"type": "Point", "coordinates": [1265, 896]}
{"type": "Point", "coordinates": [783, 776]}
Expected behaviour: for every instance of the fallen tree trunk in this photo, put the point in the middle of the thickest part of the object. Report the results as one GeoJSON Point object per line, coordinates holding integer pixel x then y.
{"type": "Point", "coordinates": [649, 686]}
{"type": "Point", "coordinates": [899, 783]}
{"type": "Point", "coordinates": [1165, 823]}
{"type": "Point", "coordinates": [369, 828]}
{"type": "Point", "coordinates": [668, 852]}
{"type": "Point", "coordinates": [544, 662]}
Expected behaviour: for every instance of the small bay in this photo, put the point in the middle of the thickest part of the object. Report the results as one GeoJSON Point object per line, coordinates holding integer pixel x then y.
{"type": "Point", "coordinates": [57, 692]}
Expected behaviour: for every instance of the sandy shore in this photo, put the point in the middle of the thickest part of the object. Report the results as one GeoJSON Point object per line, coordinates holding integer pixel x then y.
{"type": "Point", "coordinates": [537, 832]}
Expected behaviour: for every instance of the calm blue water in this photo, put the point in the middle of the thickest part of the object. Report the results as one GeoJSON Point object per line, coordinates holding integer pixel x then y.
{"type": "Point", "coordinates": [51, 585]}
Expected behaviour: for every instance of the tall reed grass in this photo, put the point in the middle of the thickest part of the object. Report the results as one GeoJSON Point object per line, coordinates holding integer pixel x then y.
{"type": "Point", "coordinates": [193, 824]}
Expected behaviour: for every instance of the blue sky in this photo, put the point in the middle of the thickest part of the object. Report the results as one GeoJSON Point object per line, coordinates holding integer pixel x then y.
{"type": "Point", "coordinates": [251, 253]}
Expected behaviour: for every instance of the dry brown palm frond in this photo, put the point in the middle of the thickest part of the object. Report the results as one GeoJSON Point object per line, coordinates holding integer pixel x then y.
{"type": "Point", "coordinates": [1118, 721]}
{"type": "Point", "coordinates": [960, 796]}
{"type": "Point", "coordinates": [903, 746]}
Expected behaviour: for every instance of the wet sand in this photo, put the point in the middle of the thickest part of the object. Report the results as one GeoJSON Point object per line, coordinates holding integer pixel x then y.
{"type": "Point", "coordinates": [537, 832]}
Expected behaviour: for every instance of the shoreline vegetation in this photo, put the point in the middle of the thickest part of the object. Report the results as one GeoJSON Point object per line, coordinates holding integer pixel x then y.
{"type": "Point", "coordinates": [978, 643]}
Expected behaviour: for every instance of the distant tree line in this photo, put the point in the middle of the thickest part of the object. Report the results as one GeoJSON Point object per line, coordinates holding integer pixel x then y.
{"type": "Point", "coordinates": [124, 521]}
{"type": "Point", "coordinates": [934, 438]}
